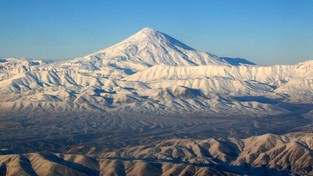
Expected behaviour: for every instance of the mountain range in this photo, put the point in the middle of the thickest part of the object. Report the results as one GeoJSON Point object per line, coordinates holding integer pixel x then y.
{"type": "Point", "coordinates": [151, 72]}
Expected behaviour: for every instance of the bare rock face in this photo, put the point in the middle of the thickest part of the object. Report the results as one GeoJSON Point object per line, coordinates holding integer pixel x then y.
{"type": "Point", "coordinates": [258, 155]}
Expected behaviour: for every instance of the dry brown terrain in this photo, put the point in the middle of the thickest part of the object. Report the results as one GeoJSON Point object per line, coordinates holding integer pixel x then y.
{"type": "Point", "coordinates": [258, 155]}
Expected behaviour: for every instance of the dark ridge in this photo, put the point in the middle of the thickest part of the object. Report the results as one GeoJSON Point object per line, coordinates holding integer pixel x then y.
{"type": "Point", "coordinates": [237, 61]}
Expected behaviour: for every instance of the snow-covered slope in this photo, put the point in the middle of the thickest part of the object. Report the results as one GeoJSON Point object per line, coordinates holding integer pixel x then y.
{"type": "Point", "coordinates": [153, 72]}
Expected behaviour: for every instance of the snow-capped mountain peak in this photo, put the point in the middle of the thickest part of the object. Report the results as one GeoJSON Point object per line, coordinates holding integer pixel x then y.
{"type": "Point", "coordinates": [144, 49]}
{"type": "Point", "coordinates": [144, 33]}
{"type": "Point", "coordinates": [152, 36]}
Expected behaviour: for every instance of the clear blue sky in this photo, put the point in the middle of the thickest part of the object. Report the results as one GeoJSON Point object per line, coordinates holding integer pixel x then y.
{"type": "Point", "coordinates": [264, 31]}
